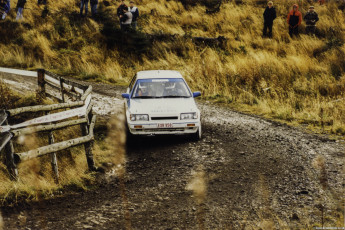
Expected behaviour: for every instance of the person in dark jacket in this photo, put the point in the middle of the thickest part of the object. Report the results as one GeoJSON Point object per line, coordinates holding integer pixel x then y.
{"type": "Point", "coordinates": [6, 6]}
{"type": "Point", "coordinates": [294, 19]}
{"type": "Point", "coordinates": [84, 3]}
{"type": "Point", "coordinates": [20, 8]}
{"type": "Point", "coordinates": [93, 4]}
{"type": "Point", "coordinates": [311, 18]}
{"type": "Point", "coordinates": [269, 15]}
{"type": "Point", "coordinates": [135, 12]}
{"type": "Point", "coordinates": [121, 8]}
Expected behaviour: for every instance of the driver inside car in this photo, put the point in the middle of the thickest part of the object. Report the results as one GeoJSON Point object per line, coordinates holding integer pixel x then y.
{"type": "Point", "coordinates": [169, 89]}
{"type": "Point", "coordinates": [142, 91]}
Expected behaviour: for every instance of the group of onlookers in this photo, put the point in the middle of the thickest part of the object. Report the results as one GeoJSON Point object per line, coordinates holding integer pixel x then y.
{"type": "Point", "coordinates": [128, 16]}
{"type": "Point", "coordinates": [294, 19]}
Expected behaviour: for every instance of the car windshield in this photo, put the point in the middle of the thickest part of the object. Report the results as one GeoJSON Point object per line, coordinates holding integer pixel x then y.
{"type": "Point", "coordinates": [161, 88]}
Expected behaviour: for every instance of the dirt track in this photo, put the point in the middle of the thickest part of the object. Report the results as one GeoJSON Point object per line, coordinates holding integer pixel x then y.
{"type": "Point", "coordinates": [258, 174]}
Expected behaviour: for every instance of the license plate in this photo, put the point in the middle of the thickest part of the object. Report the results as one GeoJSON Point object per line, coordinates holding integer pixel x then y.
{"type": "Point", "coordinates": [165, 125]}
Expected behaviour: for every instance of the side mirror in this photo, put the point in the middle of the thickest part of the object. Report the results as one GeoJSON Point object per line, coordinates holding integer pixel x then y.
{"type": "Point", "coordinates": [125, 95]}
{"type": "Point", "coordinates": [196, 94]}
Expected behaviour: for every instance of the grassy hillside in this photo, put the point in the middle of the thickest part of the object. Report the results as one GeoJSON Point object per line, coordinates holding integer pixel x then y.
{"type": "Point", "coordinates": [300, 80]}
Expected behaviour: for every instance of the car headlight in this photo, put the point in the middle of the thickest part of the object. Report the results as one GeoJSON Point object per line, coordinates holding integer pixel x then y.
{"type": "Point", "coordinates": [139, 117]}
{"type": "Point", "coordinates": [189, 116]}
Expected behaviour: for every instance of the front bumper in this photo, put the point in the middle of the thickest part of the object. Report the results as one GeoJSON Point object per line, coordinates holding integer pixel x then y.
{"type": "Point", "coordinates": [157, 128]}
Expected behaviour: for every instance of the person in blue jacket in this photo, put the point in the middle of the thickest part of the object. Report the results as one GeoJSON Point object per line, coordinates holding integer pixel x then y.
{"type": "Point", "coordinates": [6, 5]}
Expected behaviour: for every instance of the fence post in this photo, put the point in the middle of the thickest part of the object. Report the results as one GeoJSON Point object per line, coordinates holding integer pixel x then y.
{"type": "Point", "coordinates": [53, 161]}
{"type": "Point", "coordinates": [10, 163]}
{"type": "Point", "coordinates": [62, 89]}
{"type": "Point", "coordinates": [41, 84]}
{"type": "Point", "coordinates": [88, 145]}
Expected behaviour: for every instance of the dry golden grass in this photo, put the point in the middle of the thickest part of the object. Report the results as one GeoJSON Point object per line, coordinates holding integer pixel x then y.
{"type": "Point", "coordinates": [113, 149]}
{"type": "Point", "coordinates": [36, 179]}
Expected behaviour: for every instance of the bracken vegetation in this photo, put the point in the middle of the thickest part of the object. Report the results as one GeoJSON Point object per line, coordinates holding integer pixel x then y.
{"type": "Point", "coordinates": [300, 80]}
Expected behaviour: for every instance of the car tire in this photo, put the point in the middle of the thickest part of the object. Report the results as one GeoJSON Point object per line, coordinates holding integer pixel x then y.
{"type": "Point", "coordinates": [197, 136]}
{"type": "Point", "coordinates": [129, 135]}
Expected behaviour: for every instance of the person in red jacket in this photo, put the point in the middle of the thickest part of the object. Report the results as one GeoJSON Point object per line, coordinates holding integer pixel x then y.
{"type": "Point", "coordinates": [294, 19]}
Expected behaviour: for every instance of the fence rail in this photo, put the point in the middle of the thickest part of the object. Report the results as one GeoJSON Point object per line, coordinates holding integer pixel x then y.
{"type": "Point", "coordinates": [39, 108]}
{"type": "Point", "coordinates": [76, 102]}
{"type": "Point", "coordinates": [56, 146]}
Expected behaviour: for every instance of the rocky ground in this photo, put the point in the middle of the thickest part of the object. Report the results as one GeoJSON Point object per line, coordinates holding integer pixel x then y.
{"type": "Point", "coordinates": [246, 173]}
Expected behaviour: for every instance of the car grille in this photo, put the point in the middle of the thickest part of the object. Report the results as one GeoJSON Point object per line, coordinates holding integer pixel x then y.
{"type": "Point", "coordinates": [162, 130]}
{"type": "Point", "coordinates": [164, 118]}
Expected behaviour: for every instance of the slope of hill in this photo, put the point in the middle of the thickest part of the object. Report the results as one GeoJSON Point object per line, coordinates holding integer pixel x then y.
{"type": "Point", "coordinates": [300, 80]}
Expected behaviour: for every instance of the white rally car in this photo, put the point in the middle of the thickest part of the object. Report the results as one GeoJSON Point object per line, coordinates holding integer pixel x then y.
{"type": "Point", "coordinates": [160, 102]}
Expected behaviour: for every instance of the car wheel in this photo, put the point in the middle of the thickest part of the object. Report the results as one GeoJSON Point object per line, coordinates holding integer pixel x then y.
{"type": "Point", "coordinates": [197, 136]}
{"type": "Point", "coordinates": [129, 135]}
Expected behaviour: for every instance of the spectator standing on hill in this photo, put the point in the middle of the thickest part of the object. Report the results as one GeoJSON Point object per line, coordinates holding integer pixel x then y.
{"type": "Point", "coordinates": [20, 8]}
{"type": "Point", "coordinates": [135, 12]}
{"type": "Point", "coordinates": [120, 10]}
{"type": "Point", "coordinates": [269, 15]}
{"type": "Point", "coordinates": [294, 19]}
{"type": "Point", "coordinates": [126, 20]}
{"type": "Point", "coordinates": [321, 2]}
{"type": "Point", "coordinates": [6, 5]}
{"type": "Point", "coordinates": [84, 4]}
{"type": "Point", "coordinates": [93, 4]}
{"type": "Point", "coordinates": [311, 18]}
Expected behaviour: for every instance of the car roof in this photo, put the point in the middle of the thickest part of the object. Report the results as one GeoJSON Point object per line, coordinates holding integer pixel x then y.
{"type": "Point", "coordinates": [154, 74]}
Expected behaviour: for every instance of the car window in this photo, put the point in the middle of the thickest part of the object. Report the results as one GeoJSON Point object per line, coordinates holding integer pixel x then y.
{"type": "Point", "coordinates": [161, 88]}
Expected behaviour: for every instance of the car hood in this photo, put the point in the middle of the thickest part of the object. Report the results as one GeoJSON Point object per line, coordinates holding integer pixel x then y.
{"type": "Point", "coordinates": [162, 106]}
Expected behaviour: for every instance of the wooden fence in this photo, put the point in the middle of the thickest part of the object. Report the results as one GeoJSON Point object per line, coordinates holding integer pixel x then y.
{"type": "Point", "coordinates": [76, 105]}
